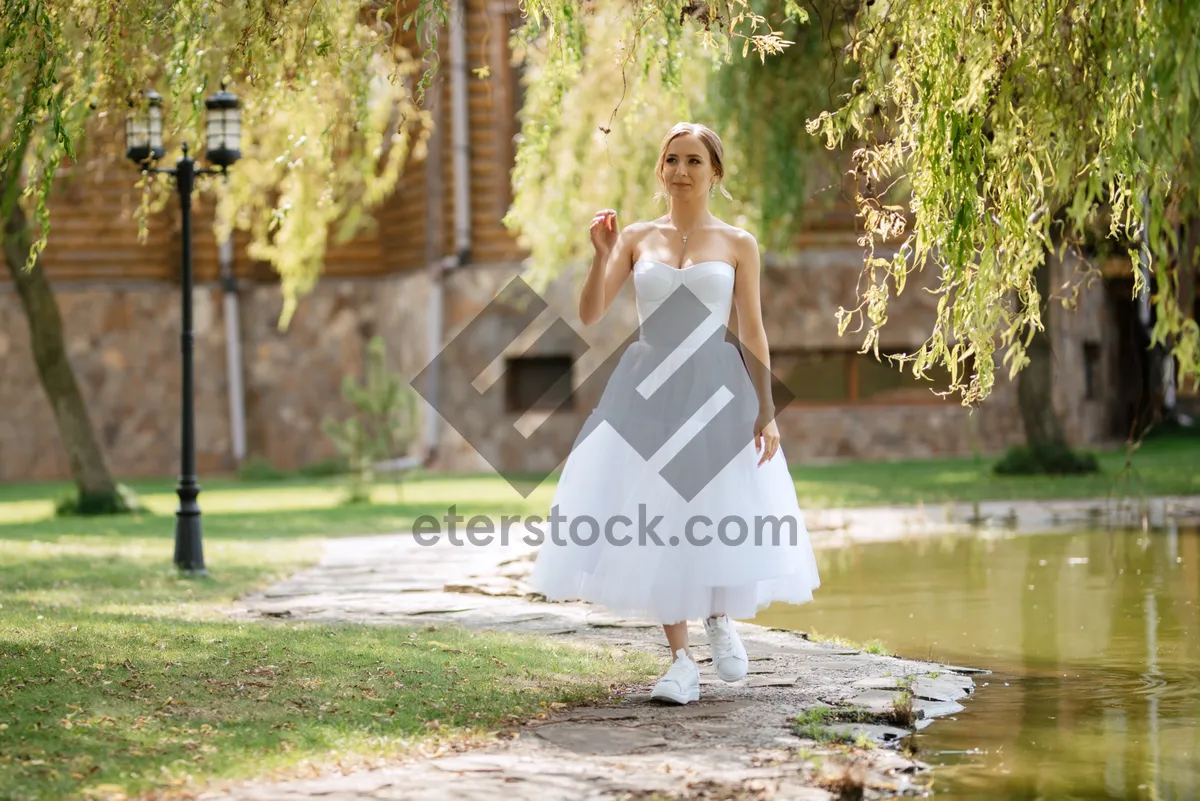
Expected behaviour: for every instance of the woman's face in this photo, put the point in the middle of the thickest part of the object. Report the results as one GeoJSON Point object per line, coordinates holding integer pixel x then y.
{"type": "Point", "coordinates": [687, 169]}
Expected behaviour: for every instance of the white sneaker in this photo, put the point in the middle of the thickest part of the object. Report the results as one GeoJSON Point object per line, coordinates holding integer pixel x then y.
{"type": "Point", "coordinates": [681, 683]}
{"type": "Point", "coordinates": [728, 653]}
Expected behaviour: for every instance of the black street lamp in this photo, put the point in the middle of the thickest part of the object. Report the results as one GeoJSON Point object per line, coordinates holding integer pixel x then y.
{"type": "Point", "coordinates": [143, 145]}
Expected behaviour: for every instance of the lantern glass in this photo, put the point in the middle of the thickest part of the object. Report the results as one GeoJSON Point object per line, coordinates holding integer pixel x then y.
{"type": "Point", "coordinates": [143, 129]}
{"type": "Point", "coordinates": [223, 128]}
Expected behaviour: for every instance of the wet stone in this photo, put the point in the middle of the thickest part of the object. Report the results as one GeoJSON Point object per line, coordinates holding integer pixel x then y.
{"type": "Point", "coordinates": [936, 709]}
{"type": "Point", "coordinates": [954, 680]}
{"type": "Point", "coordinates": [935, 690]}
{"type": "Point", "coordinates": [966, 671]}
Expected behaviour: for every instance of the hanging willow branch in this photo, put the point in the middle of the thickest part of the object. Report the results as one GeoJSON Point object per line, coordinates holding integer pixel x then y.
{"type": "Point", "coordinates": [984, 137]}
{"type": "Point", "coordinates": [1022, 128]}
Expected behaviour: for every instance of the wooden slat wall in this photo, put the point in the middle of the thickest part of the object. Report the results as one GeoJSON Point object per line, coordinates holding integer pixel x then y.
{"type": "Point", "coordinates": [491, 111]}
{"type": "Point", "coordinates": [93, 228]}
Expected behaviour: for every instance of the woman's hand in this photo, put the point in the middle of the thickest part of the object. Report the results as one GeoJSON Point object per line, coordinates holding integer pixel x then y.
{"type": "Point", "coordinates": [766, 436]}
{"type": "Point", "coordinates": [604, 231]}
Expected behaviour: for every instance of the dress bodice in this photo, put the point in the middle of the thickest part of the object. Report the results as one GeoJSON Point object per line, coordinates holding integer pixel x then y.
{"type": "Point", "coordinates": [711, 282]}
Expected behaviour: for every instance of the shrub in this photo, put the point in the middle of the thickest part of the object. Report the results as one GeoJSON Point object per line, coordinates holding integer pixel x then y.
{"type": "Point", "coordinates": [382, 426]}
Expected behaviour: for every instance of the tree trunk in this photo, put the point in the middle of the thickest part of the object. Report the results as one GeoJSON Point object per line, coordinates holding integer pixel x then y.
{"type": "Point", "coordinates": [97, 490]}
{"type": "Point", "coordinates": [1035, 382]}
{"type": "Point", "coordinates": [1046, 449]}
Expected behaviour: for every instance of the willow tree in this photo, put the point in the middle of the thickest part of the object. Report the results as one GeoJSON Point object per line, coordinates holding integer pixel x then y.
{"type": "Point", "coordinates": [1023, 127]}
{"type": "Point", "coordinates": [1011, 131]}
{"type": "Point", "coordinates": [330, 115]}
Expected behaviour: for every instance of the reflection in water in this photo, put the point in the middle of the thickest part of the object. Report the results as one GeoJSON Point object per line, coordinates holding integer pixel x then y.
{"type": "Point", "coordinates": [1094, 640]}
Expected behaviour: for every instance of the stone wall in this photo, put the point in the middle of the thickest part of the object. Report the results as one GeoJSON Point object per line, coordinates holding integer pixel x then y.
{"type": "Point", "coordinates": [123, 341]}
{"type": "Point", "coordinates": [799, 302]}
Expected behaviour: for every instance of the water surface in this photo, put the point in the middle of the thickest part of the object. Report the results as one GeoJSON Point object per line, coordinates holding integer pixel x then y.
{"type": "Point", "coordinates": [1093, 639]}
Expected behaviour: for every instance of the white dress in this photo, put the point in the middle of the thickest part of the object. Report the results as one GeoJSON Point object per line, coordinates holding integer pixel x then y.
{"type": "Point", "coordinates": [671, 439]}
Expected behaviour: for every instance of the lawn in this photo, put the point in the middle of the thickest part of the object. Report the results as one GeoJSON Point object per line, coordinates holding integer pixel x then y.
{"type": "Point", "coordinates": [118, 677]}
{"type": "Point", "coordinates": [296, 506]}
{"type": "Point", "coordinates": [1166, 466]}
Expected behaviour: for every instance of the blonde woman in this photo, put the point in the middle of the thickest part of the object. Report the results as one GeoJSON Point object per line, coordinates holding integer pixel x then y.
{"type": "Point", "coordinates": [675, 503]}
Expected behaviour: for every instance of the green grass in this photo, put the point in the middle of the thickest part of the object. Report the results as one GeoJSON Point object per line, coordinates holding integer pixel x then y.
{"type": "Point", "coordinates": [876, 647]}
{"type": "Point", "coordinates": [299, 506]}
{"type": "Point", "coordinates": [256, 510]}
{"type": "Point", "coordinates": [1160, 467]}
{"type": "Point", "coordinates": [119, 677]}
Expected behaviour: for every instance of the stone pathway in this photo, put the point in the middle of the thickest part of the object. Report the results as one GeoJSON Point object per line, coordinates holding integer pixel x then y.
{"type": "Point", "coordinates": [737, 742]}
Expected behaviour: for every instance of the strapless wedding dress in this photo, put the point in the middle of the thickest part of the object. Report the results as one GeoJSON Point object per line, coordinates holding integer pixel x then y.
{"type": "Point", "coordinates": [661, 512]}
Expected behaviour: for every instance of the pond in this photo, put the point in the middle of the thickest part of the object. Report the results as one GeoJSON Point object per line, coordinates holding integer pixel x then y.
{"type": "Point", "coordinates": [1093, 639]}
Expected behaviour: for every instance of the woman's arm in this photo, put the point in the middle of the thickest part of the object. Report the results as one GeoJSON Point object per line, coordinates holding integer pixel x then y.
{"type": "Point", "coordinates": [753, 337]}
{"type": "Point", "coordinates": [751, 332]}
{"type": "Point", "coordinates": [611, 265]}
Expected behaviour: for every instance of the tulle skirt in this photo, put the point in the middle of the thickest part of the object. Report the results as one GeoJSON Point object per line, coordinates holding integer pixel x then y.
{"type": "Point", "coordinates": [661, 512]}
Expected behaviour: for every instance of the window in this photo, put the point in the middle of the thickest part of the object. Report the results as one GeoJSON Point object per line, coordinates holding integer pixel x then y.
{"type": "Point", "coordinates": [815, 377]}
{"type": "Point", "coordinates": [1091, 370]}
{"type": "Point", "coordinates": [847, 377]}
{"type": "Point", "coordinates": [538, 382]}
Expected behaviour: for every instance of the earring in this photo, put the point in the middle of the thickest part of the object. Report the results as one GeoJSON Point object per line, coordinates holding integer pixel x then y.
{"type": "Point", "coordinates": [712, 190]}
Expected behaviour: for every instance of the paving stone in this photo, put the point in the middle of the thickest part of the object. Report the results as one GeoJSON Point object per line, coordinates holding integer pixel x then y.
{"type": "Point", "coordinates": [644, 706]}
{"type": "Point", "coordinates": [875, 701]}
{"type": "Point", "coordinates": [604, 713]}
{"type": "Point", "coordinates": [585, 738]}
{"type": "Point", "coordinates": [836, 667]}
{"type": "Point", "coordinates": [794, 791]}
{"type": "Point", "coordinates": [880, 683]}
{"type": "Point", "coordinates": [489, 763]}
{"type": "Point", "coordinates": [502, 587]}
{"type": "Point", "coordinates": [771, 681]}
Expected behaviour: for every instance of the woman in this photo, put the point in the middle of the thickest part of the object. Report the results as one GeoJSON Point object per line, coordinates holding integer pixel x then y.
{"type": "Point", "coordinates": [719, 532]}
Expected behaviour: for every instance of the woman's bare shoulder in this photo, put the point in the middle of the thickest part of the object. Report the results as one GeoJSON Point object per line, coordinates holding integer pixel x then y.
{"type": "Point", "coordinates": [735, 234]}
{"type": "Point", "coordinates": [638, 230]}
{"type": "Point", "coordinates": [740, 241]}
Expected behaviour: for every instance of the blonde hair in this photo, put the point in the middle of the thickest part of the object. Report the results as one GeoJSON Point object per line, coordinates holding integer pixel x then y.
{"type": "Point", "coordinates": [712, 143]}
